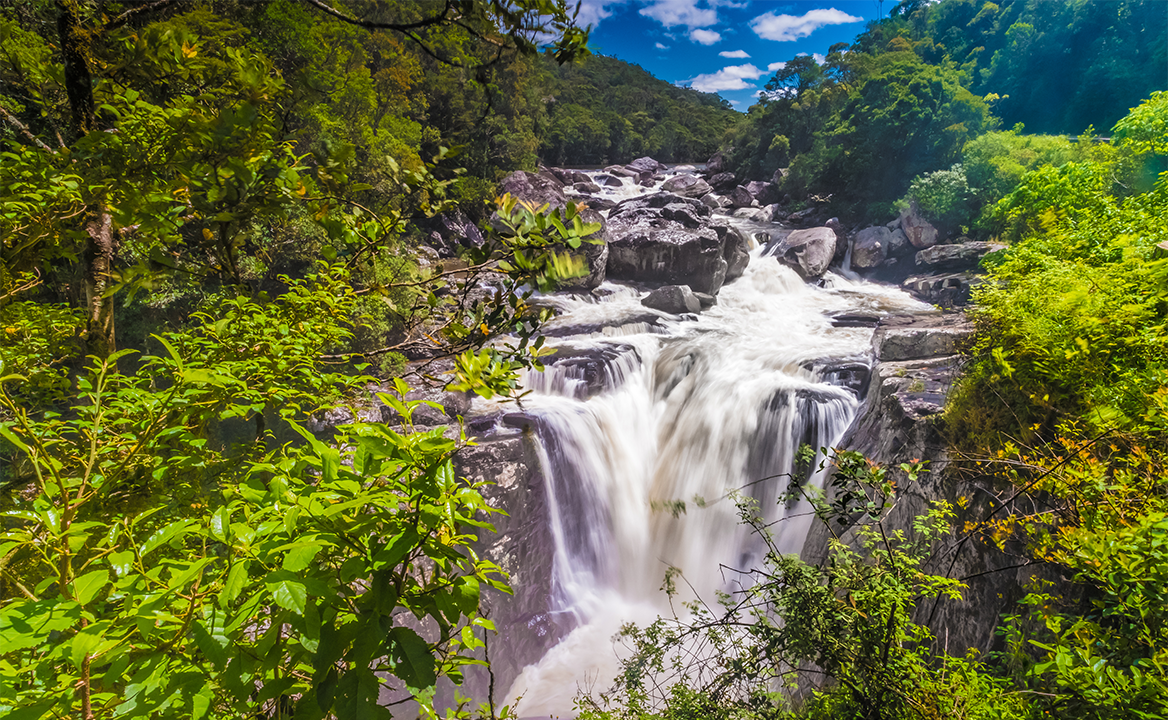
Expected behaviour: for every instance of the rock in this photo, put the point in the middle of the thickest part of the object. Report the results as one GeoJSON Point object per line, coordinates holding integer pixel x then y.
{"type": "Point", "coordinates": [804, 216]}
{"type": "Point", "coordinates": [540, 190]}
{"type": "Point", "coordinates": [917, 229]}
{"type": "Point", "coordinates": [949, 290]}
{"type": "Point", "coordinates": [894, 224]}
{"type": "Point", "coordinates": [841, 240]}
{"type": "Point", "coordinates": [935, 337]}
{"type": "Point", "coordinates": [716, 163]}
{"type": "Point", "coordinates": [551, 177]}
{"type": "Point", "coordinates": [766, 193]}
{"type": "Point", "coordinates": [664, 251]}
{"type": "Point", "coordinates": [810, 251]}
{"type": "Point", "coordinates": [735, 250]}
{"type": "Point", "coordinates": [777, 177]}
{"type": "Point", "coordinates": [673, 299]}
{"type": "Point", "coordinates": [958, 256]}
{"type": "Point", "coordinates": [646, 164]}
{"type": "Point", "coordinates": [723, 182]}
{"type": "Point", "coordinates": [712, 201]}
{"type": "Point", "coordinates": [759, 215]}
{"type": "Point", "coordinates": [740, 197]}
{"type": "Point", "coordinates": [898, 243]}
{"type": "Point", "coordinates": [588, 370]}
{"type": "Point", "coordinates": [647, 179]}
{"type": "Point", "coordinates": [686, 215]}
{"type": "Point", "coordinates": [707, 300]}
{"type": "Point", "coordinates": [870, 247]}
{"type": "Point", "coordinates": [537, 189]}
{"type": "Point", "coordinates": [686, 185]}
{"type": "Point", "coordinates": [622, 171]}
{"type": "Point", "coordinates": [570, 177]}
{"type": "Point", "coordinates": [449, 232]}
{"type": "Point", "coordinates": [684, 169]}
{"type": "Point", "coordinates": [586, 187]}
{"type": "Point", "coordinates": [608, 180]}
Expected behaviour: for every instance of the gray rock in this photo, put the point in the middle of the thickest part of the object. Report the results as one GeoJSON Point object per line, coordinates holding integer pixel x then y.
{"type": "Point", "coordinates": [684, 169]}
{"type": "Point", "coordinates": [958, 256]}
{"type": "Point", "coordinates": [920, 232]}
{"type": "Point", "coordinates": [622, 171]}
{"type": "Point", "coordinates": [646, 164]}
{"type": "Point", "coordinates": [919, 341]}
{"type": "Point", "coordinates": [537, 189]}
{"type": "Point", "coordinates": [894, 224]}
{"type": "Point", "coordinates": [898, 243]}
{"type": "Point", "coordinates": [740, 197]}
{"type": "Point", "coordinates": [449, 232]}
{"type": "Point", "coordinates": [551, 177]}
{"type": "Point", "coordinates": [804, 216]}
{"type": "Point", "coordinates": [870, 247]}
{"type": "Point", "coordinates": [586, 187]}
{"type": "Point", "coordinates": [707, 300]}
{"type": "Point", "coordinates": [766, 193]}
{"type": "Point", "coordinates": [685, 215]}
{"type": "Point", "coordinates": [570, 177]}
{"type": "Point", "coordinates": [777, 177]}
{"type": "Point", "coordinates": [608, 180]}
{"type": "Point", "coordinates": [712, 201]}
{"type": "Point", "coordinates": [716, 163]}
{"type": "Point", "coordinates": [648, 250]}
{"type": "Point", "coordinates": [686, 185]}
{"type": "Point", "coordinates": [735, 250]}
{"type": "Point", "coordinates": [723, 182]}
{"type": "Point", "coordinates": [809, 251]}
{"type": "Point", "coordinates": [673, 299]}
{"type": "Point", "coordinates": [759, 215]}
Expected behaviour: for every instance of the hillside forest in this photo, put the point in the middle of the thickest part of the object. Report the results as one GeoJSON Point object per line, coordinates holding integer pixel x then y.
{"type": "Point", "coordinates": [212, 225]}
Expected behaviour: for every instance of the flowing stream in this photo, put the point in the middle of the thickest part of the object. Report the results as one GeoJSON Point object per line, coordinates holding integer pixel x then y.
{"type": "Point", "coordinates": [654, 423]}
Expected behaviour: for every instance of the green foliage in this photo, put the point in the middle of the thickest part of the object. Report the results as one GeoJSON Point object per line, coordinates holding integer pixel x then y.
{"type": "Point", "coordinates": [943, 196]}
{"type": "Point", "coordinates": [37, 340]}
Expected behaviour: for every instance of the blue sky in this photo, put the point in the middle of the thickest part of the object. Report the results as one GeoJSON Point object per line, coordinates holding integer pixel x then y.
{"type": "Point", "coordinates": [731, 47]}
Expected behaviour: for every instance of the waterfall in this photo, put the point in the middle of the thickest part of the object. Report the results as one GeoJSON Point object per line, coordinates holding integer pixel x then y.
{"type": "Point", "coordinates": [648, 430]}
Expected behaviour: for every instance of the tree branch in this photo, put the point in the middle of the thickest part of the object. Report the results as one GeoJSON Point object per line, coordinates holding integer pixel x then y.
{"type": "Point", "coordinates": [130, 14]}
{"type": "Point", "coordinates": [23, 130]}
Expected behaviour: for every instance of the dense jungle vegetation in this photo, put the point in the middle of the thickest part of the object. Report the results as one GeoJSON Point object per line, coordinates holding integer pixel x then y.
{"type": "Point", "coordinates": [208, 219]}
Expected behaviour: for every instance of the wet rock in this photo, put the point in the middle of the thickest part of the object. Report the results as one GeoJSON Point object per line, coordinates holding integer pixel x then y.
{"type": "Point", "coordinates": [870, 247]}
{"type": "Point", "coordinates": [848, 321]}
{"type": "Point", "coordinates": [647, 250]}
{"type": "Point", "coordinates": [587, 188]}
{"type": "Point", "coordinates": [673, 299]}
{"type": "Point", "coordinates": [936, 336]}
{"type": "Point", "coordinates": [947, 290]}
{"type": "Point", "coordinates": [608, 180]}
{"type": "Point", "coordinates": [898, 243]}
{"type": "Point", "coordinates": [645, 321]}
{"type": "Point", "coordinates": [712, 201]}
{"type": "Point", "coordinates": [686, 215]}
{"type": "Point", "coordinates": [808, 252]}
{"type": "Point", "coordinates": [686, 185]}
{"type": "Point", "coordinates": [707, 301]}
{"type": "Point", "coordinates": [587, 370]}
{"type": "Point", "coordinates": [450, 232]}
{"type": "Point", "coordinates": [537, 189]}
{"type": "Point", "coordinates": [684, 169]}
{"type": "Point", "coordinates": [805, 216]}
{"type": "Point", "coordinates": [759, 215]}
{"type": "Point", "coordinates": [735, 250]}
{"type": "Point", "coordinates": [919, 231]}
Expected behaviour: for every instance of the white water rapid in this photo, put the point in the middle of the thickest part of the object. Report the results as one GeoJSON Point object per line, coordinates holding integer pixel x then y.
{"type": "Point", "coordinates": [682, 411]}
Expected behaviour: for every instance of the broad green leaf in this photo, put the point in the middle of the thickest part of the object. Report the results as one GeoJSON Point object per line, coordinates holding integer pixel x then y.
{"type": "Point", "coordinates": [414, 663]}
{"type": "Point", "coordinates": [287, 591]}
{"type": "Point", "coordinates": [86, 587]}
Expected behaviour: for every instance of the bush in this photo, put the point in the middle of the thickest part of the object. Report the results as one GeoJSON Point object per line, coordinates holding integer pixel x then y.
{"type": "Point", "coordinates": [944, 197]}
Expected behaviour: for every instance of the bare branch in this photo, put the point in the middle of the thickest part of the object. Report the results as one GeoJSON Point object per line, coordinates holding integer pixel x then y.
{"type": "Point", "coordinates": [130, 14]}
{"type": "Point", "coordinates": [23, 130]}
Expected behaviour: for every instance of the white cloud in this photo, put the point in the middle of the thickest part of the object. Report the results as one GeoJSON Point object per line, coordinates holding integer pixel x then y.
{"type": "Point", "coordinates": [681, 12]}
{"type": "Point", "coordinates": [775, 67]}
{"type": "Point", "coordinates": [662, 46]}
{"type": "Point", "coordinates": [819, 58]}
{"type": "Point", "coordinates": [733, 77]}
{"type": "Point", "coordinates": [782, 28]}
{"type": "Point", "coordinates": [593, 11]}
{"type": "Point", "coordinates": [705, 37]}
{"type": "Point", "coordinates": [734, 54]}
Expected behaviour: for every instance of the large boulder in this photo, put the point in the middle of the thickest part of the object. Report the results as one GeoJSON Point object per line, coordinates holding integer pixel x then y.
{"type": "Point", "coordinates": [570, 177]}
{"type": "Point", "coordinates": [898, 243]}
{"type": "Point", "coordinates": [536, 189]}
{"type": "Point", "coordinates": [449, 232]}
{"type": "Point", "coordinates": [809, 252]}
{"type": "Point", "coordinates": [723, 182]}
{"type": "Point", "coordinates": [716, 163]}
{"type": "Point", "coordinates": [740, 197]}
{"type": "Point", "coordinates": [686, 185]}
{"type": "Point", "coordinates": [646, 165]}
{"type": "Point", "coordinates": [919, 231]}
{"type": "Point", "coordinates": [766, 193]}
{"type": "Point", "coordinates": [735, 250]}
{"type": "Point", "coordinates": [958, 256]}
{"type": "Point", "coordinates": [870, 247]}
{"type": "Point", "coordinates": [673, 299]}
{"type": "Point", "coordinates": [606, 180]}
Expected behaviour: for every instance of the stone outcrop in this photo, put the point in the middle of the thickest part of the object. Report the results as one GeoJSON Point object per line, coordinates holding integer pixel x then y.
{"type": "Point", "coordinates": [740, 197]}
{"type": "Point", "coordinates": [450, 232]}
{"type": "Point", "coordinates": [919, 231]}
{"type": "Point", "coordinates": [716, 163]}
{"type": "Point", "coordinates": [723, 182]}
{"type": "Point", "coordinates": [673, 299]}
{"type": "Point", "coordinates": [954, 257]}
{"type": "Point", "coordinates": [646, 165]}
{"type": "Point", "coordinates": [808, 252]}
{"type": "Point", "coordinates": [870, 247]}
{"type": "Point", "coordinates": [764, 192]}
{"type": "Point", "coordinates": [669, 239]}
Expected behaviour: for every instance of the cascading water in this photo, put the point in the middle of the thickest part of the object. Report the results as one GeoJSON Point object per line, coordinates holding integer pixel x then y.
{"type": "Point", "coordinates": [649, 429]}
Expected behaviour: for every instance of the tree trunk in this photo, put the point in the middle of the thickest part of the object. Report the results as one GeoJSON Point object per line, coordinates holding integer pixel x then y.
{"type": "Point", "coordinates": [99, 247]}
{"type": "Point", "coordinates": [99, 300]}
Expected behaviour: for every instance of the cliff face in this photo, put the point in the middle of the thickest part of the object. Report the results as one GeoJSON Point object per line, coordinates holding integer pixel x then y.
{"type": "Point", "coordinates": [901, 421]}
